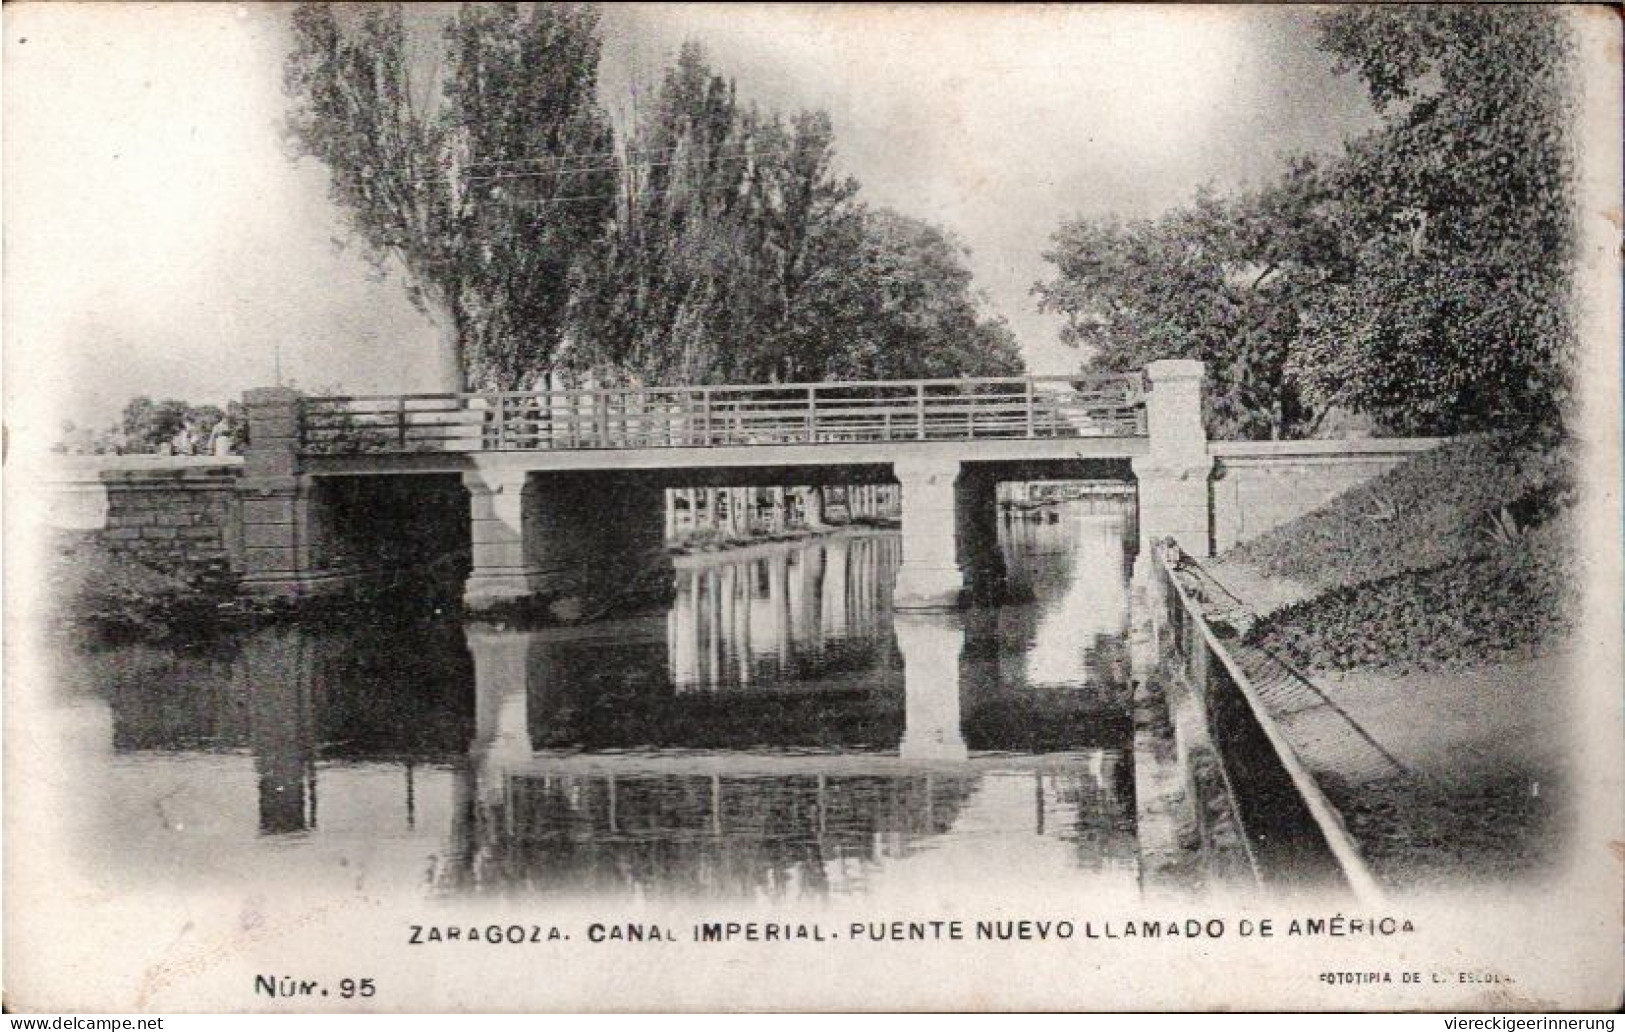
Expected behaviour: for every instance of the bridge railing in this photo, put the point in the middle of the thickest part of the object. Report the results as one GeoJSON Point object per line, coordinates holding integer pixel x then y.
{"type": "Point", "coordinates": [709, 417]}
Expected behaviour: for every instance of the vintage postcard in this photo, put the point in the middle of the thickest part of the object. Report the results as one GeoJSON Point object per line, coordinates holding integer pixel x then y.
{"type": "Point", "coordinates": [531, 507]}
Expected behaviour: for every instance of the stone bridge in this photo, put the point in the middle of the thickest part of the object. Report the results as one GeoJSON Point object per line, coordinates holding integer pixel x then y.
{"type": "Point", "coordinates": [569, 480]}
{"type": "Point", "coordinates": [552, 483]}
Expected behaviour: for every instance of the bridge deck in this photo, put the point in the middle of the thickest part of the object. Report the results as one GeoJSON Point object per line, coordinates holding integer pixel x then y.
{"type": "Point", "coordinates": [826, 454]}
{"type": "Point", "coordinates": [776, 416]}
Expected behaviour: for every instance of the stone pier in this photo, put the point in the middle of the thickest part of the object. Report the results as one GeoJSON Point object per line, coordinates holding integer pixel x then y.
{"type": "Point", "coordinates": [286, 522]}
{"type": "Point", "coordinates": [1173, 477]}
{"type": "Point", "coordinates": [929, 577]}
{"type": "Point", "coordinates": [504, 570]}
{"type": "Point", "coordinates": [573, 542]}
{"type": "Point", "coordinates": [950, 524]}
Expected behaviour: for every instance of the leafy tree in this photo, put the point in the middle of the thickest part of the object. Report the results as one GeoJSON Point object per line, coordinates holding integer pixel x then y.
{"type": "Point", "coordinates": [204, 418]}
{"type": "Point", "coordinates": [1422, 277]}
{"type": "Point", "coordinates": [671, 274]}
{"type": "Point", "coordinates": [1222, 280]}
{"type": "Point", "coordinates": [742, 255]}
{"type": "Point", "coordinates": [809, 216]}
{"type": "Point", "coordinates": [485, 173]}
{"type": "Point", "coordinates": [149, 425]}
{"type": "Point", "coordinates": [892, 299]}
{"type": "Point", "coordinates": [717, 234]}
{"type": "Point", "coordinates": [1453, 314]}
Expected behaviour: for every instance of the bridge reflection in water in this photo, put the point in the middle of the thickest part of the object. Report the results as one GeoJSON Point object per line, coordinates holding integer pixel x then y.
{"type": "Point", "coordinates": [778, 732]}
{"type": "Point", "coordinates": [738, 621]}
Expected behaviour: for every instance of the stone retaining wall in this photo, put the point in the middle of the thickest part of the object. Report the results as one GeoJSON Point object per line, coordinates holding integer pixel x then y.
{"type": "Point", "coordinates": [192, 518]}
{"type": "Point", "coordinates": [180, 518]}
{"type": "Point", "coordinates": [1258, 485]}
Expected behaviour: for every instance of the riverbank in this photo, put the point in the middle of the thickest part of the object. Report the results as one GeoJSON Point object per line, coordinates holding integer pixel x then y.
{"type": "Point", "coordinates": [706, 542]}
{"type": "Point", "coordinates": [88, 587]}
{"type": "Point", "coordinates": [89, 590]}
{"type": "Point", "coordinates": [1427, 614]}
{"type": "Point", "coordinates": [92, 589]}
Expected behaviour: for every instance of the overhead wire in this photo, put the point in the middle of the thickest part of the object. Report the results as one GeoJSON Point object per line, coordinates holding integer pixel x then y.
{"type": "Point", "coordinates": [572, 157]}
{"type": "Point", "coordinates": [624, 160]}
{"type": "Point", "coordinates": [555, 173]}
{"type": "Point", "coordinates": [530, 202]}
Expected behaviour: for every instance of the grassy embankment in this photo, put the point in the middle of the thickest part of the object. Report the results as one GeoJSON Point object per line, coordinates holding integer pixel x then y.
{"type": "Point", "coordinates": [1461, 555]}
{"type": "Point", "coordinates": [1438, 599]}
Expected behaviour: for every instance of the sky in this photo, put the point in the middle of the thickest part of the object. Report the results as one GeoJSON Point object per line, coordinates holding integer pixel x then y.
{"type": "Point", "coordinates": [159, 239]}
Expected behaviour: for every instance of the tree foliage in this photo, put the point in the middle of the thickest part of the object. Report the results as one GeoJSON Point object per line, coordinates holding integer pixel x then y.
{"type": "Point", "coordinates": [148, 425]}
{"type": "Point", "coordinates": [483, 169]}
{"type": "Point", "coordinates": [1454, 312]}
{"type": "Point", "coordinates": [891, 298]}
{"type": "Point", "coordinates": [740, 254]}
{"type": "Point", "coordinates": [1223, 280]}
{"type": "Point", "coordinates": [702, 259]}
{"type": "Point", "coordinates": [1422, 276]}
{"type": "Point", "coordinates": [712, 242]}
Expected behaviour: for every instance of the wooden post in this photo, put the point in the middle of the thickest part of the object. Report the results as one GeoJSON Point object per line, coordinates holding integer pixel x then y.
{"type": "Point", "coordinates": [705, 416]}
{"type": "Point", "coordinates": [502, 421]}
{"type": "Point", "coordinates": [919, 410]}
{"type": "Point", "coordinates": [1031, 430]}
{"type": "Point", "coordinates": [812, 415]}
{"type": "Point", "coordinates": [400, 420]}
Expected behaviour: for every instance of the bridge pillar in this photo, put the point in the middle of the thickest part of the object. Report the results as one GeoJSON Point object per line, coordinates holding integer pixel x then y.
{"type": "Point", "coordinates": [812, 507]}
{"type": "Point", "coordinates": [578, 543]}
{"type": "Point", "coordinates": [503, 570]}
{"type": "Point", "coordinates": [929, 577]}
{"type": "Point", "coordinates": [976, 517]}
{"type": "Point", "coordinates": [780, 510]}
{"type": "Point", "coordinates": [950, 524]}
{"type": "Point", "coordinates": [1173, 478]}
{"type": "Point", "coordinates": [285, 513]}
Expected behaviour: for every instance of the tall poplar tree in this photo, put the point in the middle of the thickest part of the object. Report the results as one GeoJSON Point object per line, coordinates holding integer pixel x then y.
{"type": "Point", "coordinates": [479, 166]}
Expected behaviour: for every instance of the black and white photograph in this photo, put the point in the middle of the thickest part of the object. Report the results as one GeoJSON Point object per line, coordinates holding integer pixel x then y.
{"type": "Point", "coordinates": [698, 507]}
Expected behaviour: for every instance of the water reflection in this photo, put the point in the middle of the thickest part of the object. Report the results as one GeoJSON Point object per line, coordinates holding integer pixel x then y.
{"type": "Point", "coordinates": [931, 645]}
{"type": "Point", "coordinates": [1080, 566]}
{"type": "Point", "coordinates": [736, 621]}
{"type": "Point", "coordinates": [281, 683]}
{"type": "Point", "coordinates": [777, 732]}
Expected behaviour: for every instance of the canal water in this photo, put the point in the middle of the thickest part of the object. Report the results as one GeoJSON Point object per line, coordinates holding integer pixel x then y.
{"type": "Point", "coordinates": [776, 733]}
